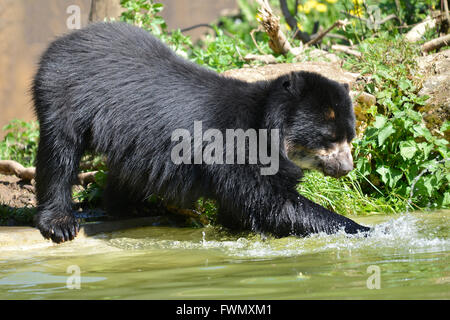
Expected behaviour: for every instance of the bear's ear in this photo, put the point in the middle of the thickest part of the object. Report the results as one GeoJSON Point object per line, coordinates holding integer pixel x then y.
{"type": "Point", "coordinates": [293, 83]}
{"type": "Point", "coordinates": [346, 86]}
{"type": "Point", "coordinates": [287, 83]}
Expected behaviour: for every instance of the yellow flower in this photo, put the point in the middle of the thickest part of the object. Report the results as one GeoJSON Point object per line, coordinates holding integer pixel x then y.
{"type": "Point", "coordinates": [258, 17]}
{"type": "Point", "coordinates": [358, 2]}
{"type": "Point", "coordinates": [321, 7]}
{"type": "Point", "coordinates": [358, 12]}
{"type": "Point", "coordinates": [313, 5]}
{"type": "Point", "coordinates": [299, 26]}
{"type": "Point", "coordinates": [309, 5]}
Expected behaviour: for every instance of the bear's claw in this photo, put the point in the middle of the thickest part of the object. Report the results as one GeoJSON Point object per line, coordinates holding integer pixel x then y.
{"type": "Point", "coordinates": [59, 229]}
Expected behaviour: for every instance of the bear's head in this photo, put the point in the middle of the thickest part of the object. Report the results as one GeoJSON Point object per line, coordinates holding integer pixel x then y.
{"type": "Point", "coordinates": [319, 122]}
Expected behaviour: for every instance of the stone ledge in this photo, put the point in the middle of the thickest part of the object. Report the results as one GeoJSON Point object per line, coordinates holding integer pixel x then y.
{"type": "Point", "coordinates": [272, 71]}
{"type": "Point", "coordinates": [17, 236]}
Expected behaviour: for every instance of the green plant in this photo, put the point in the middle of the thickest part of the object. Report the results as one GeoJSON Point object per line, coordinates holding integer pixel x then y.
{"type": "Point", "coordinates": [93, 193]}
{"type": "Point", "coordinates": [394, 151]}
{"type": "Point", "coordinates": [207, 208]}
{"type": "Point", "coordinates": [20, 142]}
{"type": "Point", "coordinates": [221, 52]}
{"type": "Point", "coordinates": [16, 216]}
{"type": "Point", "coordinates": [397, 145]}
{"type": "Point", "coordinates": [345, 195]}
{"type": "Point", "coordinates": [144, 14]}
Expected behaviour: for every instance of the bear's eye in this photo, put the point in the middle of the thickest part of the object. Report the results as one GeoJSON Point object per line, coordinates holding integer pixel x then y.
{"type": "Point", "coordinates": [331, 137]}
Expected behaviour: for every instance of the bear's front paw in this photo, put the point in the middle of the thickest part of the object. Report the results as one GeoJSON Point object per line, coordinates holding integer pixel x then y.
{"type": "Point", "coordinates": [356, 228]}
{"type": "Point", "coordinates": [57, 227]}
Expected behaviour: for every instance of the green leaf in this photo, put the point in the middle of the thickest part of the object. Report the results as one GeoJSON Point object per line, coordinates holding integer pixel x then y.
{"type": "Point", "coordinates": [425, 186]}
{"type": "Point", "coordinates": [446, 199]}
{"type": "Point", "coordinates": [158, 20]}
{"type": "Point", "coordinates": [385, 133]}
{"type": "Point", "coordinates": [385, 74]}
{"type": "Point", "coordinates": [422, 131]}
{"type": "Point", "coordinates": [380, 121]}
{"type": "Point", "coordinates": [389, 176]}
{"type": "Point", "coordinates": [426, 148]}
{"type": "Point", "coordinates": [422, 100]}
{"type": "Point", "coordinates": [408, 149]}
{"type": "Point", "coordinates": [363, 166]}
{"type": "Point", "coordinates": [445, 126]}
{"type": "Point", "coordinates": [404, 84]}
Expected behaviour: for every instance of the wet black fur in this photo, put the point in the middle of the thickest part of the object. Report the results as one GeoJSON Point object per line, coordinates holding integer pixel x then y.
{"type": "Point", "coordinates": [116, 90]}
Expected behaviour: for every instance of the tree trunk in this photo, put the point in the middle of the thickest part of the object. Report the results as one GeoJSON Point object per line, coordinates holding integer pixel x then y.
{"type": "Point", "coordinates": [101, 9]}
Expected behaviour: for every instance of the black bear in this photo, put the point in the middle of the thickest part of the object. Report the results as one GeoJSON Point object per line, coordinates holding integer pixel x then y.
{"type": "Point", "coordinates": [116, 90]}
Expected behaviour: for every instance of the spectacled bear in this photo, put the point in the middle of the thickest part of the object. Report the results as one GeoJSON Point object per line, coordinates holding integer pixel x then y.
{"type": "Point", "coordinates": [114, 89]}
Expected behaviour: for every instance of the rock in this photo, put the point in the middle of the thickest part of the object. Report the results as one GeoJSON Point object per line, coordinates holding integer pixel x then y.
{"type": "Point", "coordinates": [363, 98]}
{"type": "Point", "coordinates": [24, 236]}
{"type": "Point", "coordinates": [268, 72]}
{"type": "Point", "coordinates": [435, 69]}
{"type": "Point", "coordinates": [266, 58]}
{"type": "Point", "coordinates": [324, 55]}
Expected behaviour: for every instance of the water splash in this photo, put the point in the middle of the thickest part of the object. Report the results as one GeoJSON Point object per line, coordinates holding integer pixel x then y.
{"type": "Point", "coordinates": [204, 238]}
{"type": "Point", "coordinates": [408, 233]}
{"type": "Point", "coordinates": [401, 234]}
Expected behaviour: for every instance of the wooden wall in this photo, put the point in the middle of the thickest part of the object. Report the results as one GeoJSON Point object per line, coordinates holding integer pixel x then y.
{"type": "Point", "coordinates": [27, 26]}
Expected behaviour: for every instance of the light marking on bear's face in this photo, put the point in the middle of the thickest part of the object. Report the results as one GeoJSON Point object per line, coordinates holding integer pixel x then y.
{"type": "Point", "coordinates": [336, 161]}
{"type": "Point", "coordinates": [330, 114]}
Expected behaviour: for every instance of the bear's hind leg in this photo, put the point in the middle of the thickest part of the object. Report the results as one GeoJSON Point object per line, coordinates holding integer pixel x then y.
{"type": "Point", "coordinates": [117, 200]}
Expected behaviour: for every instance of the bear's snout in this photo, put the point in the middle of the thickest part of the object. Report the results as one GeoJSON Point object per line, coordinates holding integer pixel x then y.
{"type": "Point", "coordinates": [339, 162]}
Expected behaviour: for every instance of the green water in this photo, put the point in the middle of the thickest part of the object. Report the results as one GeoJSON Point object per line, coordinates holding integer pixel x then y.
{"type": "Point", "coordinates": [411, 253]}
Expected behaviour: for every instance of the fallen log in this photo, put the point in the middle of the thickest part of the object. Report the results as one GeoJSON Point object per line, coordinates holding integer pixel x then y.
{"type": "Point", "coordinates": [10, 167]}
{"type": "Point", "coordinates": [436, 43]}
{"type": "Point", "coordinates": [419, 30]}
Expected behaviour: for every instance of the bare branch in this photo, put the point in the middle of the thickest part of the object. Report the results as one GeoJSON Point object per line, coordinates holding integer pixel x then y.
{"type": "Point", "coordinates": [346, 49]}
{"type": "Point", "coordinates": [399, 8]}
{"type": "Point", "coordinates": [271, 24]}
{"type": "Point", "coordinates": [252, 34]}
{"type": "Point", "coordinates": [354, 17]}
{"type": "Point", "coordinates": [338, 36]}
{"type": "Point", "coordinates": [387, 18]}
{"type": "Point", "coordinates": [292, 22]}
{"type": "Point", "coordinates": [287, 15]}
{"type": "Point", "coordinates": [338, 23]}
{"type": "Point", "coordinates": [447, 16]}
{"type": "Point", "coordinates": [265, 58]}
